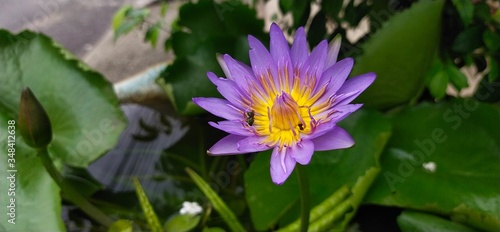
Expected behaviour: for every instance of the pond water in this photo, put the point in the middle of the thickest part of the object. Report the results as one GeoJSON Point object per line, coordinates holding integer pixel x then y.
{"type": "Point", "coordinates": [138, 153]}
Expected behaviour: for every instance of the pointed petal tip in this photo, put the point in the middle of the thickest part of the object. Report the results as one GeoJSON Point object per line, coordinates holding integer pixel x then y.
{"type": "Point", "coordinates": [335, 43]}
{"type": "Point", "coordinates": [323, 44]}
{"type": "Point", "coordinates": [352, 145]}
{"type": "Point", "coordinates": [300, 32]}
{"type": "Point", "coordinates": [195, 99]}
{"type": "Point", "coordinates": [211, 75]}
{"type": "Point", "coordinates": [218, 107]}
{"type": "Point", "coordinates": [226, 146]}
{"type": "Point", "coordinates": [278, 182]}
{"type": "Point", "coordinates": [333, 50]}
{"type": "Point", "coordinates": [363, 81]}
{"type": "Point", "coordinates": [338, 37]}
{"type": "Point", "coordinates": [220, 58]}
{"type": "Point", "coordinates": [367, 76]}
{"type": "Point", "coordinates": [278, 179]}
{"type": "Point", "coordinates": [371, 76]}
{"type": "Point", "coordinates": [274, 26]}
{"type": "Point", "coordinates": [276, 31]}
{"type": "Point", "coordinates": [349, 60]}
{"type": "Point", "coordinates": [252, 42]}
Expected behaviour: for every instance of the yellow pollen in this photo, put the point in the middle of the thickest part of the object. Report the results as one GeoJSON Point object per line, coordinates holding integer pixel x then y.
{"type": "Point", "coordinates": [286, 108]}
{"type": "Point", "coordinates": [283, 120]}
{"type": "Point", "coordinates": [285, 113]}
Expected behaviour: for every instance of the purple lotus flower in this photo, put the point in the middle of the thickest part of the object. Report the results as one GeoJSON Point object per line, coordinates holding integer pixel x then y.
{"type": "Point", "coordinates": [289, 100]}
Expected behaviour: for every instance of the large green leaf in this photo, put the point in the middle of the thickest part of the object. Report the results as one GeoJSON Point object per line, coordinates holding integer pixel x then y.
{"type": "Point", "coordinates": [85, 117]}
{"type": "Point", "coordinates": [217, 28]}
{"type": "Point", "coordinates": [410, 221]}
{"type": "Point", "coordinates": [444, 158]}
{"type": "Point", "coordinates": [401, 53]}
{"type": "Point", "coordinates": [36, 197]}
{"type": "Point", "coordinates": [327, 172]}
{"type": "Point", "coordinates": [81, 105]}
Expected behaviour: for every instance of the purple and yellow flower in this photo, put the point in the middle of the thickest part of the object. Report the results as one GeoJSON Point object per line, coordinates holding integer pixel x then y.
{"type": "Point", "coordinates": [289, 100]}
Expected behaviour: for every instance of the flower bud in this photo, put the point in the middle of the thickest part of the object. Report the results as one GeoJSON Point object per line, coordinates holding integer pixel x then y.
{"type": "Point", "coordinates": [34, 122]}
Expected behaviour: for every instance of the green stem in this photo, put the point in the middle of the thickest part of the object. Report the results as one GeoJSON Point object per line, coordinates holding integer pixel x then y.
{"type": "Point", "coordinates": [324, 223]}
{"type": "Point", "coordinates": [304, 197]}
{"type": "Point", "coordinates": [74, 196]}
{"type": "Point", "coordinates": [321, 209]}
{"type": "Point", "coordinates": [203, 153]}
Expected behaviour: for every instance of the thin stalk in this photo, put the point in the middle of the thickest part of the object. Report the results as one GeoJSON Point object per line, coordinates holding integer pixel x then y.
{"type": "Point", "coordinates": [203, 153]}
{"type": "Point", "coordinates": [71, 194]}
{"type": "Point", "coordinates": [304, 197]}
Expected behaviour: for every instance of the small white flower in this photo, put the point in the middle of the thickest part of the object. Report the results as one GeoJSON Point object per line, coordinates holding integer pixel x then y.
{"type": "Point", "coordinates": [191, 208]}
{"type": "Point", "coordinates": [429, 166]}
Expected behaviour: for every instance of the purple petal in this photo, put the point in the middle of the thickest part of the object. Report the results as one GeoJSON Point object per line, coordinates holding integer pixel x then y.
{"type": "Point", "coordinates": [233, 127]}
{"type": "Point", "coordinates": [343, 111]}
{"type": "Point", "coordinates": [280, 53]}
{"type": "Point", "coordinates": [340, 99]}
{"type": "Point", "coordinates": [240, 72]}
{"type": "Point", "coordinates": [358, 83]}
{"type": "Point", "coordinates": [226, 146]}
{"type": "Point", "coordinates": [223, 65]}
{"type": "Point", "coordinates": [317, 60]}
{"type": "Point", "coordinates": [278, 45]}
{"type": "Point", "coordinates": [300, 50]}
{"type": "Point", "coordinates": [219, 107]}
{"type": "Point", "coordinates": [337, 138]}
{"type": "Point", "coordinates": [261, 60]}
{"type": "Point", "coordinates": [282, 165]}
{"type": "Point", "coordinates": [339, 112]}
{"type": "Point", "coordinates": [253, 144]}
{"type": "Point", "coordinates": [302, 151]}
{"type": "Point", "coordinates": [335, 76]}
{"type": "Point", "coordinates": [320, 130]}
{"type": "Point", "coordinates": [230, 91]}
{"type": "Point", "coordinates": [333, 51]}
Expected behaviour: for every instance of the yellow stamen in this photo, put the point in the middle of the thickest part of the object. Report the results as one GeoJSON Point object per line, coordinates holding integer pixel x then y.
{"type": "Point", "coordinates": [285, 113]}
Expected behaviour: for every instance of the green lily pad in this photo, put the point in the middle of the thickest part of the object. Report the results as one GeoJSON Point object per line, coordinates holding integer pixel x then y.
{"type": "Point", "coordinates": [37, 203]}
{"type": "Point", "coordinates": [411, 221]}
{"type": "Point", "coordinates": [401, 53]}
{"type": "Point", "coordinates": [328, 171]}
{"type": "Point", "coordinates": [86, 121]}
{"type": "Point", "coordinates": [444, 158]}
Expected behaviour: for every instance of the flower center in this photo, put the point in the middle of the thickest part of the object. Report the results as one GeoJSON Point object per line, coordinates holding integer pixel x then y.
{"type": "Point", "coordinates": [285, 114]}
{"type": "Point", "coordinates": [282, 120]}
{"type": "Point", "coordinates": [284, 111]}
